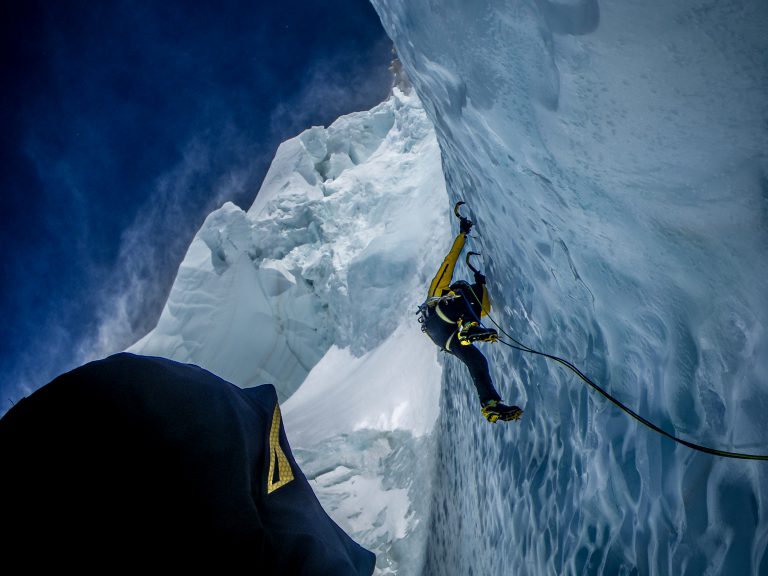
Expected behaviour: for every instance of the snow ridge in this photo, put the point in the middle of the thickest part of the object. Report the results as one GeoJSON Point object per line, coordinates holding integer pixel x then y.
{"type": "Point", "coordinates": [314, 290]}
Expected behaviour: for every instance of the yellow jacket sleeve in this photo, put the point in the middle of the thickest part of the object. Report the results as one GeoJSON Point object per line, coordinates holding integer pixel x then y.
{"type": "Point", "coordinates": [486, 303]}
{"type": "Point", "coordinates": [442, 279]}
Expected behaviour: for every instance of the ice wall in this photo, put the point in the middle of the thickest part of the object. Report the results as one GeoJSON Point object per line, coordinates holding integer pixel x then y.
{"type": "Point", "coordinates": [614, 156]}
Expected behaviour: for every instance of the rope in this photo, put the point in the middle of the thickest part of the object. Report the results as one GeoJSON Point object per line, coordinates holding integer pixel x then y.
{"type": "Point", "coordinates": [715, 452]}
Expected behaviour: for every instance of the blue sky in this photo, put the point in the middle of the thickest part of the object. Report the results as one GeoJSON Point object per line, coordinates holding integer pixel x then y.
{"type": "Point", "coordinates": [124, 124]}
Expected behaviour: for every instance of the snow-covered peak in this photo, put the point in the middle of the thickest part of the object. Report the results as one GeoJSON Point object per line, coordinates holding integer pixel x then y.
{"type": "Point", "coordinates": [333, 251]}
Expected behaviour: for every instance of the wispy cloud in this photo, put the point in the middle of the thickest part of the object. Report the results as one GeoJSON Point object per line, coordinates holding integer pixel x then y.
{"type": "Point", "coordinates": [334, 87]}
{"type": "Point", "coordinates": [154, 246]}
{"type": "Point", "coordinates": [152, 249]}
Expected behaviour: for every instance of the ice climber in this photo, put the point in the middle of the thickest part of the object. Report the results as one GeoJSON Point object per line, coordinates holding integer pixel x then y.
{"type": "Point", "coordinates": [451, 317]}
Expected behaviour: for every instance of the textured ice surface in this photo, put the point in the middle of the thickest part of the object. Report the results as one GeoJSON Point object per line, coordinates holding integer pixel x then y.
{"type": "Point", "coordinates": [614, 156]}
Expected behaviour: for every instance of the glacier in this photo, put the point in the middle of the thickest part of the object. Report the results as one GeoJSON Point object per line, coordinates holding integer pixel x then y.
{"type": "Point", "coordinates": [614, 160]}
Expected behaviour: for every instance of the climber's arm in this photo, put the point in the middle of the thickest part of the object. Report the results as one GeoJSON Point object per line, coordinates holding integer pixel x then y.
{"type": "Point", "coordinates": [442, 279]}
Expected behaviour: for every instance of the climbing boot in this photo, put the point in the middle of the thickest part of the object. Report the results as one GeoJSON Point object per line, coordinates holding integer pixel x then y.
{"type": "Point", "coordinates": [494, 410]}
{"type": "Point", "coordinates": [474, 332]}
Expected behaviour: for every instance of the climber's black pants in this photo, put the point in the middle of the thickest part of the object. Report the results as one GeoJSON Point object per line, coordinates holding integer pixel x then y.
{"type": "Point", "coordinates": [440, 332]}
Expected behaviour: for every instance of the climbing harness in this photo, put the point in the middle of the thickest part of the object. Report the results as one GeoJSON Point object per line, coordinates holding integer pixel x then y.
{"type": "Point", "coordinates": [432, 304]}
{"type": "Point", "coordinates": [467, 331]}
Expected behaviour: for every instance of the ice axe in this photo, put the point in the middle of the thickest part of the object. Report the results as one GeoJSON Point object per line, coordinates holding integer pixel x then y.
{"type": "Point", "coordinates": [466, 259]}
